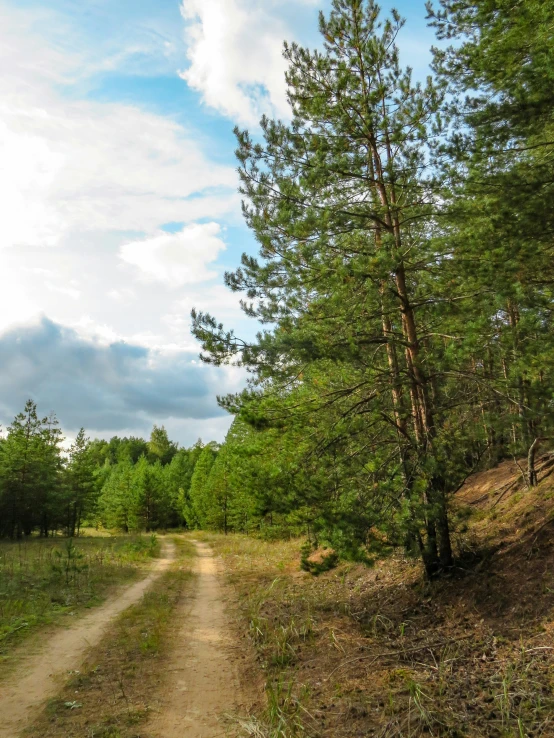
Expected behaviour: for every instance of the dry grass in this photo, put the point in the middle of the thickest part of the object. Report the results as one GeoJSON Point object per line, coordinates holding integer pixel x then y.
{"type": "Point", "coordinates": [381, 652]}
{"type": "Point", "coordinates": [114, 692]}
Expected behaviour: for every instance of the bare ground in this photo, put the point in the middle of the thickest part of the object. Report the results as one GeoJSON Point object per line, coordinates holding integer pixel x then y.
{"type": "Point", "coordinates": [202, 692]}
{"type": "Point", "coordinates": [39, 675]}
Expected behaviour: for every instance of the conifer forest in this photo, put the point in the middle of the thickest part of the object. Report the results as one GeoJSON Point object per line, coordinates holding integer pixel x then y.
{"type": "Point", "coordinates": [404, 277]}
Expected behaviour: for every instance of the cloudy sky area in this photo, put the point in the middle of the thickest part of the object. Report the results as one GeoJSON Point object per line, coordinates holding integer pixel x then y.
{"type": "Point", "coordinates": [118, 193]}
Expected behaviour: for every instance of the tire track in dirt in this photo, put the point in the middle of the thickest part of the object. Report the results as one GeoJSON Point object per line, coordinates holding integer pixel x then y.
{"type": "Point", "coordinates": [203, 665]}
{"type": "Point", "coordinates": [38, 676]}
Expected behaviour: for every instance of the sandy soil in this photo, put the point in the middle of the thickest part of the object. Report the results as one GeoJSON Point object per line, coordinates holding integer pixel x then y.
{"type": "Point", "coordinates": [37, 677]}
{"type": "Point", "coordinates": [202, 687]}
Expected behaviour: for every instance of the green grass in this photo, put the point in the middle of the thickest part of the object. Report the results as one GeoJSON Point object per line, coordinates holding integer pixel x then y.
{"type": "Point", "coordinates": [247, 555]}
{"type": "Point", "coordinates": [44, 579]}
{"type": "Point", "coordinates": [283, 716]}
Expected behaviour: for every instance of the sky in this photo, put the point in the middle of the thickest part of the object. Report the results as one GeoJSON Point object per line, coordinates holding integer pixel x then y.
{"type": "Point", "coordinates": [119, 204]}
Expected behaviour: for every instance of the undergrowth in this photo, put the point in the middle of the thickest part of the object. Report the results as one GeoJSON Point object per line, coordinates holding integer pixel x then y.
{"type": "Point", "coordinates": [381, 652]}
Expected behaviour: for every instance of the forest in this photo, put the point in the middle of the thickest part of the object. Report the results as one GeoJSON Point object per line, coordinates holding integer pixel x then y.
{"type": "Point", "coordinates": [404, 292]}
{"type": "Point", "coordinates": [128, 484]}
{"type": "Point", "coordinates": [125, 484]}
{"type": "Point", "coordinates": [404, 278]}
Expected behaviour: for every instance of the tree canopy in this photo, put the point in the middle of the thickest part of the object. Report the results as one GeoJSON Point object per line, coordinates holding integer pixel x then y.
{"type": "Point", "coordinates": [403, 277]}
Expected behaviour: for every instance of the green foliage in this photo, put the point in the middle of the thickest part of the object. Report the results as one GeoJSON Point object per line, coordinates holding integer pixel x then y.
{"type": "Point", "coordinates": [141, 546]}
{"type": "Point", "coordinates": [118, 449]}
{"type": "Point", "coordinates": [198, 506]}
{"type": "Point", "coordinates": [404, 276]}
{"type": "Point", "coordinates": [31, 486]}
{"type": "Point", "coordinates": [81, 491]}
{"type": "Point", "coordinates": [178, 479]}
{"type": "Point", "coordinates": [69, 563]}
{"type": "Point", "coordinates": [150, 503]}
{"type": "Point", "coordinates": [124, 484]}
{"type": "Point", "coordinates": [117, 501]}
{"type": "Point", "coordinates": [147, 495]}
{"type": "Point", "coordinates": [404, 285]}
{"type": "Point", "coordinates": [160, 448]}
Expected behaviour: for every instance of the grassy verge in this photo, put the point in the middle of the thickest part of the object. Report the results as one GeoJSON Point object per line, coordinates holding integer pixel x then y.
{"type": "Point", "coordinates": [379, 652]}
{"type": "Point", "coordinates": [111, 695]}
{"type": "Point", "coordinates": [42, 580]}
{"type": "Point", "coordinates": [259, 571]}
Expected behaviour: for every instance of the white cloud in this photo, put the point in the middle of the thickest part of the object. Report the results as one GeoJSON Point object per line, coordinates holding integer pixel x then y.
{"type": "Point", "coordinates": [100, 333]}
{"type": "Point", "coordinates": [177, 258]}
{"type": "Point", "coordinates": [29, 169]}
{"type": "Point", "coordinates": [217, 299]}
{"type": "Point", "coordinates": [235, 55]}
{"type": "Point", "coordinates": [18, 302]}
{"type": "Point", "coordinates": [123, 295]}
{"type": "Point", "coordinates": [78, 165]}
{"type": "Point", "coordinates": [99, 167]}
{"type": "Point", "coordinates": [82, 177]}
{"type": "Point", "coordinates": [234, 49]}
{"type": "Point", "coordinates": [72, 292]}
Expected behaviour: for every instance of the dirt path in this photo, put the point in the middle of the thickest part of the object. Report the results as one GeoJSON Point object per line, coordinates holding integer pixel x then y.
{"type": "Point", "coordinates": [204, 684]}
{"type": "Point", "coordinates": [37, 677]}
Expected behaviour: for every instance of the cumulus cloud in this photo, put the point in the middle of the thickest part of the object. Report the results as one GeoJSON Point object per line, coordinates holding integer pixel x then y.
{"type": "Point", "coordinates": [71, 165]}
{"type": "Point", "coordinates": [107, 387]}
{"type": "Point", "coordinates": [92, 167]}
{"type": "Point", "coordinates": [72, 292]}
{"type": "Point", "coordinates": [235, 54]}
{"type": "Point", "coordinates": [216, 298]}
{"type": "Point", "coordinates": [177, 258]}
{"type": "Point", "coordinates": [82, 176]}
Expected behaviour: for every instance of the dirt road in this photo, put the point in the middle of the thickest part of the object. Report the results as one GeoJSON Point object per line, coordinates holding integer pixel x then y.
{"type": "Point", "coordinates": [202, 687]}
{"type": "Point", "coordinates": [38, 676]}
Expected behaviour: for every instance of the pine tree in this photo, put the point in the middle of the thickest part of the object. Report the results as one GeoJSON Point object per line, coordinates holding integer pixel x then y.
{"type": "Point", "coordinates": [80, 483]}
{"type": "Point", "coordinates": [117, 503]}
{"type": "Point", "coordinates": [151, 500]}
{"type": "Point", "coordinates": [498, 198]}
{"type": "Point", "coordinates": [343, 206]}
{"type": "Point", "coordinates": [159, 445]}
{"type": "Point", "coordinates": [196, 511]}
{"type": "Point", "coordinates": [30, 469]}
{"type": "Point", "coordinates": [178, 479]}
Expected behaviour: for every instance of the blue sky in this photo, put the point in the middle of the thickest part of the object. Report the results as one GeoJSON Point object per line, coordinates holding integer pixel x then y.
{"type": "Point", "coordinates": [119, 192]}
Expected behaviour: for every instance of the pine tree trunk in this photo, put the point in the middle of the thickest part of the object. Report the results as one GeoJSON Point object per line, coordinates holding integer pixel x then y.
{"type": "Point", "coordinates": [532, 478]}
{"type": "Point", "coordinates": [421, 410]}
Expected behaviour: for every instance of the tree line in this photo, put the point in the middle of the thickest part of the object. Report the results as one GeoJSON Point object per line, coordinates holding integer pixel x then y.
{"type": "Point", "coordinates": [127, 484]}
{"type": "Point", "coordinates": [403, 282]}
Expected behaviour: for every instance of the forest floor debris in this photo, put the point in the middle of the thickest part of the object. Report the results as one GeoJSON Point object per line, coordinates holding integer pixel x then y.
{"type": "Point", "coordinates": [382, 652]}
